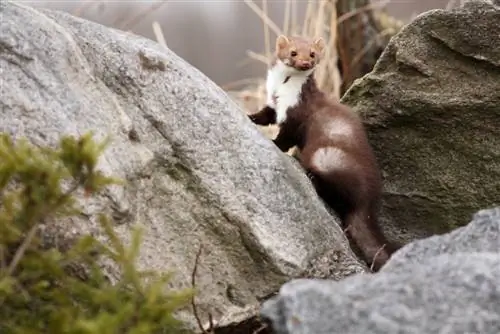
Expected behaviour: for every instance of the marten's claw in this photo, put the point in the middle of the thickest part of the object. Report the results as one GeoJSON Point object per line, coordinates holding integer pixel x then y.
{"type": "Point", "coordinates": [310, 175]}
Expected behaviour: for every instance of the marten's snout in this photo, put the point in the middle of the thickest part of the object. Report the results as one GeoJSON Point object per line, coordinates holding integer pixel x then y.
{"type": "Point", "coordinates": [303, 65]}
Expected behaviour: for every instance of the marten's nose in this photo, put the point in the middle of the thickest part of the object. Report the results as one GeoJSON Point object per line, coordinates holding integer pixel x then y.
{"type": "Point", "coordinates": [304, 64]}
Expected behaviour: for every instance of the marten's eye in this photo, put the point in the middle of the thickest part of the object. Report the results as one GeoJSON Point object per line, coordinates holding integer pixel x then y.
{"type": "Point", "coordinates": [293, 53]}
{"type": "Point", "coordinates": [312, 54]}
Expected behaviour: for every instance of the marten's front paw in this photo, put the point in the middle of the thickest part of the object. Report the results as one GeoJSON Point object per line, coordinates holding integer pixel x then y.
{"type": "Point", "coordinates": [313, 179]}
{"type": "Point", "coordinates": [253, 117]}
{"type": "Point", "coordinates": [275, 142]}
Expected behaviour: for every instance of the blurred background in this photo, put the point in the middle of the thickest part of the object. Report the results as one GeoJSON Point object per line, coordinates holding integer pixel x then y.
{"type": "Point", "coordinates": [216, 35]}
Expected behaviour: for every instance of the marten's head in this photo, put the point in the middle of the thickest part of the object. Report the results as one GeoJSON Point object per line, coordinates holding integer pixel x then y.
{"type": "Point", "coordinates": [299, 53]}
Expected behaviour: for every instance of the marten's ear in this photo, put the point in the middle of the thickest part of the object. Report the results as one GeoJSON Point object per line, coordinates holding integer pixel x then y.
{"type": "Point", "coordinates": [319, 44]}
{"type": "Point", "coordinates": [281, 42]}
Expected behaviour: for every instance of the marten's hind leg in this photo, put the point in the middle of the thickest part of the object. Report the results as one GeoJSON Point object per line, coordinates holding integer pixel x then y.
{"type": "Point", "coordinates": [331, 172]}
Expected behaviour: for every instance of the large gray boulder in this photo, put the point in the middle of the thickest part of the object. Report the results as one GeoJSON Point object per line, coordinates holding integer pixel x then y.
{"type": "Point", "coordinates": [444, 284]}
{"type": "Point", "coordinates": [197, 170]}
{"type": "Point", "coordinates": [431, 106]}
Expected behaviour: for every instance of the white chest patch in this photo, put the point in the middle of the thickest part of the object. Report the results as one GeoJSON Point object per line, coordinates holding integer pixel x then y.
{"type": "Point", "coordinates": [283, 95]}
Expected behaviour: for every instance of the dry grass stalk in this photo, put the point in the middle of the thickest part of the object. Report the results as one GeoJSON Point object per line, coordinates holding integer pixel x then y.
{"type": "Point", "coordinates": [293, 9]}
{"type": "Point", "coordinates": [259, 57]}
{"type": "Point", "coordinates": [129, 24]}
{"type": "Point", "coordinates": [263, 15]}
{"type": "Point", "coordinates": [267, 38]}
{"type": "Point", "coordinates": [83, 7]}
{"type": "Point", "coordinates": [159, 34]}
{"type": "Point", "coordinates": [454, 4]}
{"type": "Point", "coordinates": [286, 18]}
{"type": "Point", "coordinates": [450, 4]}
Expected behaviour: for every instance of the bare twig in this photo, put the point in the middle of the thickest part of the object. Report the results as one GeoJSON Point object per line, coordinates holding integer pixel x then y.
{"type": "Point", "coordinates": [41, 215]}
{"type": "Point", "coordinates": [193, 303]}
{"type": "Point", "coordinates": [360, 10]}
{"type": "Point", "coordinates": [22, 249]}
{"type": "Point", "coordinates": [368, 46]}
{"type": "Point", "coordinates": [260, 329]}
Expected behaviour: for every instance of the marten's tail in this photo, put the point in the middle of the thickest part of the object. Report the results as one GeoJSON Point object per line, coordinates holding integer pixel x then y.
{"type": "Point", "coordinates": [342, 189]}
{"type": "Point", "coordinates": [365, 232]}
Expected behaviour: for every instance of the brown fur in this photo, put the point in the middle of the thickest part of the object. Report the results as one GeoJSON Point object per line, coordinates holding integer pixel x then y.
{"type": "Point", "coordinates": [350, 184]}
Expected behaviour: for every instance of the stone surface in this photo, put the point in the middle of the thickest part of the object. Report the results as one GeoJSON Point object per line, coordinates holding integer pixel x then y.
{"type": "Point", "coordinates": [197, 170]}
{"type": "Point", "coordinates": [481, 234]}
{"type": "Point", "coordinates": [444, 284]}
{"type": "Point", "coordinates": [432, 109]}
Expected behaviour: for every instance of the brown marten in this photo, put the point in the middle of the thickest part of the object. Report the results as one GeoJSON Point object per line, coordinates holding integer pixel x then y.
{"type": "Point", "coordinates": [334, 148]}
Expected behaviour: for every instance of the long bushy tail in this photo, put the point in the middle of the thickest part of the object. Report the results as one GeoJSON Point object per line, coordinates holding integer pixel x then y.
{"type": "Point", "coordinates": [369, 239]}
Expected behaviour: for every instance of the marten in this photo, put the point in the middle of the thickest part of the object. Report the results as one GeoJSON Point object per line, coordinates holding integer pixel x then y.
{"type": "Point", "coordinates": [333, 147]}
